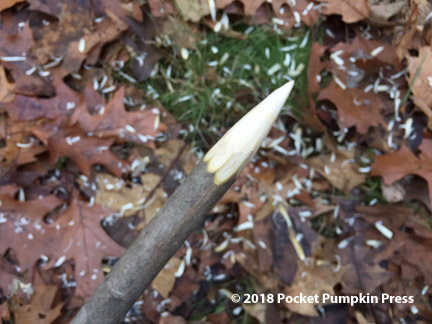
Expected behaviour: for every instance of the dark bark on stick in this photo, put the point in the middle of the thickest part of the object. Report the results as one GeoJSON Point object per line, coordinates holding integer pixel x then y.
{"type": "Point", "coordinates": [151, 250]}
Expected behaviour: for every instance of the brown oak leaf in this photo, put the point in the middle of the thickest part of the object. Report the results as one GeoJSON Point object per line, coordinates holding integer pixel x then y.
{"type": "Point", "coordinates": [421, 65]}
{"type": "Point", "coordinates": [30, 108]}
{"type": "Point", "coordinates": [85, 241]}
{"type": "Point", "coordinates": [351, 10]}
{"type": "Point", "coordinates": [355, 107]}
{"type": "Point", "coordinates": [74, 35]}
{"type": "Point", "coordinates": [86, 151]}
{"type": "Point", "coordinates": [136, 126]}
{"type": "Point", "coordinates": [16, 47]}
{"type": "Point", "coordinates": [396, 165]}
{"type": "Point", "coordinates": [39, 310]}
{"type": "Point", "coordinates": [23, 229]}
{"type": "Point", "coordinates": [8, 3]}
{"type": "Point", "coordinates": [341, 172]}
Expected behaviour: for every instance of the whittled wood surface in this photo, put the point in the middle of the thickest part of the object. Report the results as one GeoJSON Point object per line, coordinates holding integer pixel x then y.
{"type": "Point", "coordinates": [182, 214]}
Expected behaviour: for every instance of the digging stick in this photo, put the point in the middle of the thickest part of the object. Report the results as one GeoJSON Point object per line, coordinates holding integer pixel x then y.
{"type": "Point", "coordinates": [183, 213]}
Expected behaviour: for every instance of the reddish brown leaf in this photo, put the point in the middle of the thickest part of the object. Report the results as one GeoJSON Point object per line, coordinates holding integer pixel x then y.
{"type": "Point", "coordinates": [8, 273]}
{"type": "Point", "coordinates": [23, 155]}
{"type": "Point", "coordinates": [87, 138]}
{"type": "Point", "coordinates": [218, 318]}
{"type": "Point", "coordinates": [86, 151]}
{"type": "Point", "coordinates": [85, 241]}
{"type": "Point", "coordinates": [30, 108]}
{"type": "Point", "coordinates": [161, 8]}
{"type": "Point", "coordinates": [17, 46]}
{"type": "Point", "coordinates": [39, 310]}
{"type": "Point", "coordinates": [361, 50]}
{"type": "Point", "coordinates": [355, 107]}
{"type": "Point", "coordinates": [4, 311]}
{"type": "Point", "coordinates": [171, 319]}
{"type": "Point", "coordinates": [52, 7]}
{"type": "Point", "coordinates": [423, 65]}
{"type": "Point", "coordinates": [417, 254]}
{"type": "Point", "coordinates": [19, 147]}
{"type": "Point", "coordinates": [315, 67]}
{"type": "Point", "coordinates": [74, 35]}
{"type": "Point", "coordinates": [350, 10]}
{"type": "Point", "coordinates": [394, 166]}
{"type": "Point", "coordinates": [22, 228]}
{"type": "Point", "coordinates": [363, 273]}
{"type": "Point", "coordinates": [308, 15]}
{"type": "Point", "coordinates": [139, 127]}
{"type": "Point", "coordinates": [8, 3]}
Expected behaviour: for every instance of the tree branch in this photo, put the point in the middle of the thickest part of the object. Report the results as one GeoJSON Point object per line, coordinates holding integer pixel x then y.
{"type": "Point", "coordinates": [182, 214]}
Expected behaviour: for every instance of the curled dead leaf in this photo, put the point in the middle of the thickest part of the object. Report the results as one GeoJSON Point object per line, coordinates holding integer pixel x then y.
{"type": "Point", "coordinates": [165, 280]}
{"type": "Point", "coordinates": [339, 169]}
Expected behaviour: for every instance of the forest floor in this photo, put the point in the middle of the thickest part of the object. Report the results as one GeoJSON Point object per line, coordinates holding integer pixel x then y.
{"type": "Point", "coordinates": [106, 106]}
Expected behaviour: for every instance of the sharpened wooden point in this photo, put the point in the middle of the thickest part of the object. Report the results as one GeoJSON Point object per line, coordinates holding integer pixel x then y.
{"type": "Point", "coordinates": [183, 213]}
{"type": "Point", "coordinates": [234, 150]}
